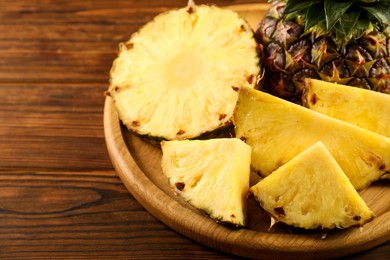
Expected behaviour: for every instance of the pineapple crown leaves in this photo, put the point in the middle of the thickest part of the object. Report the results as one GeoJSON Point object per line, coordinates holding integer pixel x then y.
{"type": "Point", "coordinates": [343, 20]}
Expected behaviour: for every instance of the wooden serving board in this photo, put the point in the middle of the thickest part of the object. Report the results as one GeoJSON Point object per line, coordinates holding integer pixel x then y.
{"type": "Point", "coordinates": [138, 165]}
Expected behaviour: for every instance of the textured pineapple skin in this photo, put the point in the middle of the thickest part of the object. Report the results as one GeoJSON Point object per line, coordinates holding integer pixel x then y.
{"type": "Point", "coordinates": [361, 107]}
{"type": "Point", "coordinates": [226, 131]}
{"type": "Point", "coordinates": [277, 130]}
{"type": "Point", "coordinates": [311, 191]}
{"type": "Point", "coordinates": [292, 54]}
{"type": "Point", "coordinates": [172, 80]}
{"type": "Point", "coordinates": [212, 175]}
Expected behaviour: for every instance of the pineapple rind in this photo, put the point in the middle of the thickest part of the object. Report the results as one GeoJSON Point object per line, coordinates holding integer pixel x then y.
{"type": "Point", "coordinates": [212, 175]}
{"type": "Point", "coordinates": [278, 130]}
{"type": "Point", "coordinates": [294, 52]}
{"type": "Point", "coordinates": [177, 77]}
{"type": "Point", "coordinates": [362, 107]}
{"type": "Point", "coordinates": [311, 191]}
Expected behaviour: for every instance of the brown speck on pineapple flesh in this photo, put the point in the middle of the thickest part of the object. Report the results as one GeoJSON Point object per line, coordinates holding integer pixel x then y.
{"type": "Point", "coordinates": [180, 186]}
{"type": "Point", "coordinates": [235, 88]}
{"type": "Point", "coordinates": [222, 116]}
{"type": "Point", "coordinates": [250, 79]}
{"type": "Point", "coordinates": [373, 160]}
{"type": "Point", "coordinates": [129, 45]}
{"type": "Point", "coordinates": [136, 123]}
{"type": "Point", "coordinates": [382, 168]}
{"type": "Point", "coordinates": [357, 218]}
{"type": "Point", "coordinates": [280, 212]}
{"type": "Point", "coordinates": [190, 10]}
{"type": "Point", "coordinates": [250, 195]}
{"type": "Point", "coordinates": [180, 132]}
{"type": "Point", "coordinates": [314, 99]}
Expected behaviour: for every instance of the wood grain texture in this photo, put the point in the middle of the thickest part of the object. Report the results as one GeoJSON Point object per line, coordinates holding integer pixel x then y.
{"type": "Point", "coordinates": [61, 125]}
{"type": "Point", "coordinates": [70, 41]}
{"type": "Point", "coordinates": [79, 215]}
{"type": "Point", "coordinates": [60, 197]}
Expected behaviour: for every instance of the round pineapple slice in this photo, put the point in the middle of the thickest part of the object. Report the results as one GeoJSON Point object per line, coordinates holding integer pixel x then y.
{"type": "Point", "coordinates": [179, 75]}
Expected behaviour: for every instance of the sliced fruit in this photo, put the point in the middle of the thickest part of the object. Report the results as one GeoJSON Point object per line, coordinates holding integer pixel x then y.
{"type": "Point", "coordinates": [178, 76]}
{"type": "Point", "coordinates": [361, 107]}
{"type": "Point", "coordinates": [212, 175]}
{"type": "Point", "coordinates": [311, 191]}
{"type": "Point", "coordinates": [278, 130]}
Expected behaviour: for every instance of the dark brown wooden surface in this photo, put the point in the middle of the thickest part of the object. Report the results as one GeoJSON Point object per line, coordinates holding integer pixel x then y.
{"type": "Point", "coordinates": [59, 194]}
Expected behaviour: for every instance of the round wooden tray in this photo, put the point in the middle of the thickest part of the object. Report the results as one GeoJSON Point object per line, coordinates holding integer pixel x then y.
{"type": "Point", "coordinates": [138, 165]}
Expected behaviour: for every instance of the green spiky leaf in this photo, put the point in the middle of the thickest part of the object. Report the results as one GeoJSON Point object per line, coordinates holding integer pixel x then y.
{"type": "Point", "coordinates": [366, 1]}
{"type": "Point", "coordinates": [313, 17]}
{"type": "Point", "coordinates": [291, 15]}
{"type": "Point", "coordinates": [348, 22]}
{"type": "Point", "coordinates": [381, 12]}
{"type": "Point", "coordinates": [334, 10]}
{"type": "Point", "coordinates": [361, 27]}
{"type": "Point", "coordinates": [299, 5]}
{"type": "Point", "coordinates": [341, 19]}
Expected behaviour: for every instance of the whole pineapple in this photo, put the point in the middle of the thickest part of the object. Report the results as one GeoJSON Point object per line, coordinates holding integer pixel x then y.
{"type": "Point", "coordinates": [347, 42]}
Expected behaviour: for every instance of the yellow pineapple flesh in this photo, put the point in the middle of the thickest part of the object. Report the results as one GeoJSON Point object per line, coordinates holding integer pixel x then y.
{"type": "Point", "coordinates": [311, 191]}
{"type": "Point", "coordinates": [362, 107]}
{"type": "Point", "coordinates": [278, 130]}
{"type": "Point", "coordinates": [178, 77]}
{"type": "Point", "coordinates": [212, 175]}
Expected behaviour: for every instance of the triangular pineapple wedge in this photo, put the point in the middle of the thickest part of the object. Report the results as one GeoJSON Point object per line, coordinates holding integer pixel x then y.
{"type": "Point", "coordinates": [278, 130]}
{"type": "Point", "coordinates": [311, 191]}
{"type": "Point", "coordinates": [362, 107]}
{"type": "Point", "coordinates": [212, 175]}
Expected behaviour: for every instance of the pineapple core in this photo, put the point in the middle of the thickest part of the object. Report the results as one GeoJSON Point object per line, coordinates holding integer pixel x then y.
{"type": "Point", "coordinates": [311, 191]}
{"type": "Point", "coordinates": [212, 175]}
{"type": "Point", "coordinates": [183, 69]}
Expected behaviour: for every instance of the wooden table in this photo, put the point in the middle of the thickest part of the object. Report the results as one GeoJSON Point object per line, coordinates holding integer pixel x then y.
{"type": "Point", "coordinates": [60, 196]}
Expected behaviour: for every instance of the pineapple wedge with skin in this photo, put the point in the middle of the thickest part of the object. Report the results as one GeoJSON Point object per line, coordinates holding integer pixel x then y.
{"type": "Point", "coordinates": [178, 77]}
{"type": "Point", "coordinates": [277, 130]}
{"type": "Point", "coordinates": [212, 175]}
{"type": "Point", "coordinates": [311, 191]}
{"type": "Point", "coordinates": [361, 107]}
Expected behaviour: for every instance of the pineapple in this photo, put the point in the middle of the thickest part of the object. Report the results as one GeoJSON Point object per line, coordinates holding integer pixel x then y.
{"type": "Point", "coordinates": [311, 191]}
{"type": "Point", "coordinates": [364, 108]}
{"type": "Point", "coordinates": [346, 42]}
{"type": "Point", "coordinates": [179, 75]}
{"type": "Point", "coordinates": [277, 130]}
{"type": "Point", "coordinates": [212, 175]}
